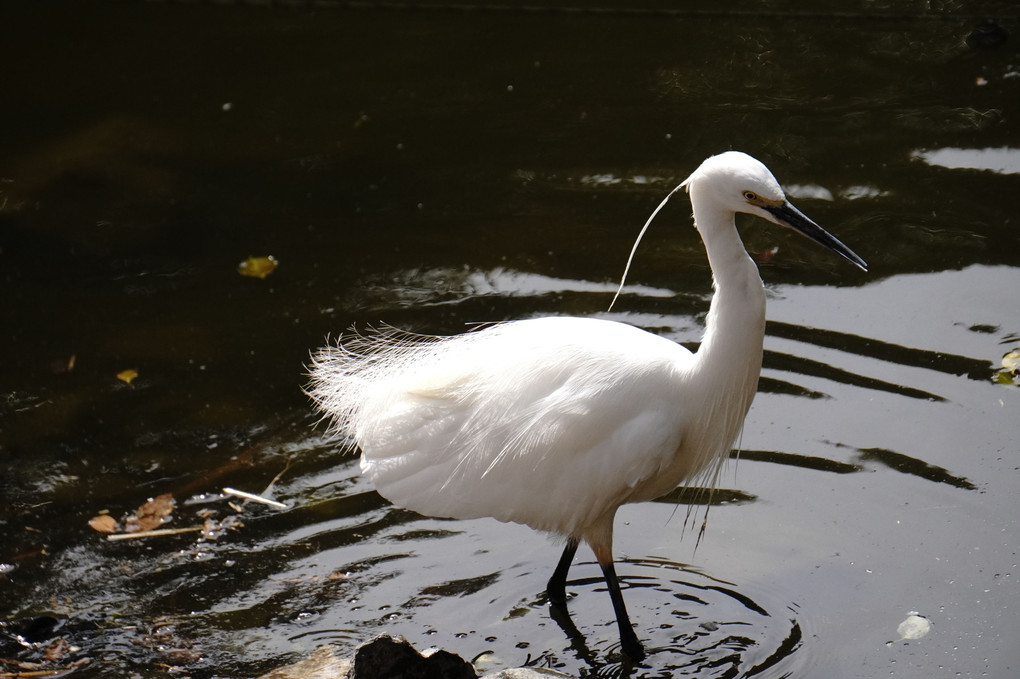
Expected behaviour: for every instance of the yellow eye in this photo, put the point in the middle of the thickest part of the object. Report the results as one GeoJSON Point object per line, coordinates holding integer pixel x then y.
{"type": "Point", "coordinates": [750, 196]}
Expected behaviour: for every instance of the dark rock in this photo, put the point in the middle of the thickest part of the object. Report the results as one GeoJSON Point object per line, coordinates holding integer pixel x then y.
{"type": "Point", "coordinates": [387, 657]}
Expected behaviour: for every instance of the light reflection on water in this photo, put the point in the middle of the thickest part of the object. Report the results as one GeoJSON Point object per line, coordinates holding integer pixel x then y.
{"type": "Point", "coordinates": [1003, 160]}
{"type": "Point", "coordinates": [451, 286]}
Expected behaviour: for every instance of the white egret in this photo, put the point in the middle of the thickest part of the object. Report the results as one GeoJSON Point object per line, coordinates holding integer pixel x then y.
{"type": "Point", "coordinates": [556, 422]}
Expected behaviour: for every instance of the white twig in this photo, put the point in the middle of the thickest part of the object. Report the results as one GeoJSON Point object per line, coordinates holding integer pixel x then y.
{"type": "Point", "coordinates": [254, 498]}
{"type": "Point", "coordinates": [153, 533]}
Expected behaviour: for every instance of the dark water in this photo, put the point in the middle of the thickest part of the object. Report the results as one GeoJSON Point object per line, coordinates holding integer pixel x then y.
{"type": "Point", "coordinates": [434, 168]}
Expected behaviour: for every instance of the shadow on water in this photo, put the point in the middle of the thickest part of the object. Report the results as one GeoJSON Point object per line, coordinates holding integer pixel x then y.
{"type": "Point", "coordinates": [438, 169]}
{"type": "Point", "coordinates": [908, 465]}
{"type": "Point", "coordinates": [804, 366]}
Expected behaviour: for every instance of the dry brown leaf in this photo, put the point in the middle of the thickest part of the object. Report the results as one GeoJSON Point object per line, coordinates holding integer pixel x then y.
{"type": "Point", "coordinates": [21, 664]}
{"type": "Point", "coordinates": [104, 523]}
{"type": "Point", "coordinates": [57, 650]}
{"type": "Point", "coordinates": [257, 267]}
{"type": "Point", "coordinates": [152, 514]}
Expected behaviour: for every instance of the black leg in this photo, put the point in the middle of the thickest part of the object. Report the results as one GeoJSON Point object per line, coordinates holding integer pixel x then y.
{"type": "Point", "coordinates": [556, 590]}
{"type": "Point", "coordinates": [628, 639]}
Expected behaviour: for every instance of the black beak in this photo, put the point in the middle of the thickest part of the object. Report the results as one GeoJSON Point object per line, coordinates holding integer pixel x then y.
{"type": "Point", "coordinates": [787, 215]}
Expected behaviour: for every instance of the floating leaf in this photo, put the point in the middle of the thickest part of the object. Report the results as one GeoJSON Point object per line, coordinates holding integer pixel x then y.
{"type": "Point", "coordinates": [58, 649]}
{"type": "Point", "coordinates": [1011, 361]}
{"type": "Point", "coordinates": [914, 627]}
{"type": "Point", "coordinates": [152, 514]}
{"type": "Point", "coordinates": [1003, 377]}
{"type": "Point", "coordinates": [1009, 375]}
{"type": "Point", "coordinates": [127, 376]}
{"type": "Point", "coordinates": [257, 267]}
{"type": "Point", "coordinates": [104, 523]}
{"type": "Point", "coordinates": [213, 529]}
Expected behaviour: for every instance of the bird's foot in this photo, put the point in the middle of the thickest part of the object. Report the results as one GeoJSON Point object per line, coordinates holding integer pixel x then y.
{"type": "Point", "coordinates": [633, 649]}
{"type": "Point", "coordinates": [556, 597]}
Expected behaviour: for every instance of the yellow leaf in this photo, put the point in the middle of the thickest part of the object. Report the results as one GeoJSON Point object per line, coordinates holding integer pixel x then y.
{"type": "Point", "coordinates": [127, 376]}
{"type": "Point", "coordinates": [257, 267]}
{"type": "Point", "coordinates": [1003, 377]}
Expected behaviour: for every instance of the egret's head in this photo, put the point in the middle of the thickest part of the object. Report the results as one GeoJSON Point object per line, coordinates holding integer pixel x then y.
{"type": "Point", "coordinates": [736, 182]}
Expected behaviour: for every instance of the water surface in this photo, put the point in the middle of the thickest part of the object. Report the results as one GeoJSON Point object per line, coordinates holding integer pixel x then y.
{"type": "Point", "coordinates": [434, 169]}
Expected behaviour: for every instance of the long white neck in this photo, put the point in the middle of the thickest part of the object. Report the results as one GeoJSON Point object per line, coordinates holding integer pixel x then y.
{"type": "Point", "coordinates": [728, 362]}
{"type": "Point", "coordinates": [735, 327]}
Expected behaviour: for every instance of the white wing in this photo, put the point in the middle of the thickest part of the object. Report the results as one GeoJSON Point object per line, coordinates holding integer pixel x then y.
{"type": "Point", "coordinates": [548, 422]}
